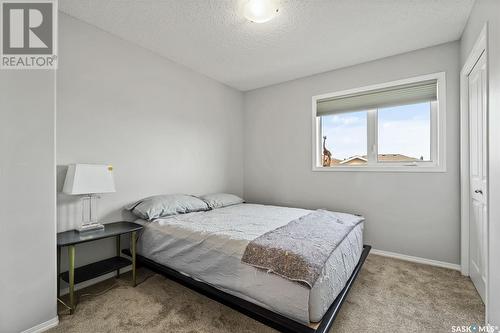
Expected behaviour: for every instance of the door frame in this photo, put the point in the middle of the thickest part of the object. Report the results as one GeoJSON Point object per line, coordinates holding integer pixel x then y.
{"type": "Point", "coordinates": [480, 47]}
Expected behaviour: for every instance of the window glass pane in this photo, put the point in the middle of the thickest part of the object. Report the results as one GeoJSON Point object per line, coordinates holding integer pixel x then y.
{"type": "Point", "coordinates": [344, 137]}
{"type": "Point", "coordinates": [404, 133]}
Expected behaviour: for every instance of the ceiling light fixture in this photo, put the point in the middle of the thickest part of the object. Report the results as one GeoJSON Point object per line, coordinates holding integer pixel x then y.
{"type": "Point", "coordinates": [260, 11]}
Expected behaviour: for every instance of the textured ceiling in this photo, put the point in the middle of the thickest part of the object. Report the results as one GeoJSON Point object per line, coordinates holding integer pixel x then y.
{"type": "Point", "coordinates": [307, 37]}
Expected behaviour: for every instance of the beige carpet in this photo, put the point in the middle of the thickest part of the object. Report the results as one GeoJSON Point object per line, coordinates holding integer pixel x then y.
{"type": "Point", "coordinates": [389, 296]}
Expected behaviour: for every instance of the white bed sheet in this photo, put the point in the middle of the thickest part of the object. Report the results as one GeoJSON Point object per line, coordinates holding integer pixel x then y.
{"type": "Point", "coordinates": [208, 246]}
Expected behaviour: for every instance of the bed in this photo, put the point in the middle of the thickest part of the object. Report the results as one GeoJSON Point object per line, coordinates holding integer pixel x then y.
{"type": "Point", "coordinates": [204, 250]}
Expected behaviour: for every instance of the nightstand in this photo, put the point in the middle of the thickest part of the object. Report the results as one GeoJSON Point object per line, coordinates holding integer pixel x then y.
{"type": "Point", "coordinates": [74, 276]}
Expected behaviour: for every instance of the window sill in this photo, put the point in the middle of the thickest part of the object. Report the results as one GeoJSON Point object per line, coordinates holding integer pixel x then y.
{"type": "Point", "coordinates": [384, 168]}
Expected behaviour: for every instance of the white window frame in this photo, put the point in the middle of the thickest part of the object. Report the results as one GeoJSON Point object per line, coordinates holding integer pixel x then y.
{"type": "Point", "coordinates": [438, 132]}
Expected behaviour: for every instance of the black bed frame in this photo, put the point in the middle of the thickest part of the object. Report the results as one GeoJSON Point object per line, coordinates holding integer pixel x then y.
{"type": "Point", "coordinates": [265, 316]}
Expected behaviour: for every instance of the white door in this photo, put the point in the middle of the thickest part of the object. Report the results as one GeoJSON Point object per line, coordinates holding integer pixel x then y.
{"type": "Point", "coordinates": [478, 233]}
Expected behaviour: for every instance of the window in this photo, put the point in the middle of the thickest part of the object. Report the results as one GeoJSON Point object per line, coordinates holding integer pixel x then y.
{"type": "Point", "coordinates": [347, 132]}
{"type": "Point", "coordinates": [396, 126]}
{"type": "Point", "coordinates": [404, 133]}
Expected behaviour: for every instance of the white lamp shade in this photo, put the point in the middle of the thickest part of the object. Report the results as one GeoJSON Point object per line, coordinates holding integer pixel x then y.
{"type": "Point", "coordinates": [89, 179]}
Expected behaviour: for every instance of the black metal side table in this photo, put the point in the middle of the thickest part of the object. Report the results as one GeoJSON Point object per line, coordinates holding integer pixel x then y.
{"type": "Point", "coordinates": [74, 276]}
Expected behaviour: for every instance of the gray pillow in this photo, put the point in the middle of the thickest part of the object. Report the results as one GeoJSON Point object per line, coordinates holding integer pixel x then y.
{"type": "Point", "coordinates": [219, 200]}
{"type": "Point", "coordinates": [164, 205]}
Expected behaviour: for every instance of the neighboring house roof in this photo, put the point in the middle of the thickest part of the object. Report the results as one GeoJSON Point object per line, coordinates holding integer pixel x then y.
{"type": "Point", "coordinates": [355, 160]}
{"type": "Point", "coordinates": [362, 159]}
{"type": "Point", "coordinates": [395, 157]}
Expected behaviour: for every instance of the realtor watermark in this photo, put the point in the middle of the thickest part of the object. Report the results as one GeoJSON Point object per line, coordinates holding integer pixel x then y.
{"type": "Point", "coordinates": [474, 328]}
{"type": "Point", "coordinates": [28, 34]}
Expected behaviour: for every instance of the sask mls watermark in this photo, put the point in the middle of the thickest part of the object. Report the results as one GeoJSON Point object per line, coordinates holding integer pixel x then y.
{"type": "Point", "coordinates": [29, 34]}
{"type": "Point", "coordinates": [474, 328]}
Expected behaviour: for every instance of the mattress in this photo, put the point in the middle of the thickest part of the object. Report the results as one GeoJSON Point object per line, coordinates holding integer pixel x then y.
{"type": "Point", "coordinates": [208, 246]}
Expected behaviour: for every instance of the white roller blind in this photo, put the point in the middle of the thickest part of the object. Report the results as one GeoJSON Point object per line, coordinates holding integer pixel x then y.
{"type": "Point", "coordinates": [398, 95]}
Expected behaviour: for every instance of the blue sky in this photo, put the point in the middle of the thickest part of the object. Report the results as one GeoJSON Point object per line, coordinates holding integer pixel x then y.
{"type": "Point", "coordinates": [402, 130]}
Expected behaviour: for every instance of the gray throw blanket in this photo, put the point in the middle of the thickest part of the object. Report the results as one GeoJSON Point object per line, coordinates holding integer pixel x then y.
{"type": "Point", "coordinates": [299, 250]}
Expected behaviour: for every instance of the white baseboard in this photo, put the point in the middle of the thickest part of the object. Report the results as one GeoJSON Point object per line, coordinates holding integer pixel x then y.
{"type": "Point", "coordinates": [43, 326]}
{"type": "Point", "coordinates": [101, 278]}
{"type": "Point", "coordinates": [416, 259]}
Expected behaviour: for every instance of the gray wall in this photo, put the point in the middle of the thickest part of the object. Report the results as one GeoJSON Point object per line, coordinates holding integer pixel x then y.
{"type": "Point", "coordinates": [27, 199]}
{"type": "Point", "coordinates": [489, 11]}
{"type": "Point", "coordinates": [164, 128]}
{"type": "Point", "coordinates": [415, 214]}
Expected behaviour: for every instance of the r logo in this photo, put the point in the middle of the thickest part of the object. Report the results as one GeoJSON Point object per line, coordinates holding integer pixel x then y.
{"type": "Point", "coordinates": [27, 28]}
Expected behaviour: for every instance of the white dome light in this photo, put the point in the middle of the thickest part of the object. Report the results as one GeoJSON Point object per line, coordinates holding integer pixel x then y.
{"type": "Point", "coordinates": [261, 11]}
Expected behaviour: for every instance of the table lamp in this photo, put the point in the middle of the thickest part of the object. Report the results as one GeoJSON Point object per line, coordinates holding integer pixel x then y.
{"type": "Point", "coordinates": [89, 180]}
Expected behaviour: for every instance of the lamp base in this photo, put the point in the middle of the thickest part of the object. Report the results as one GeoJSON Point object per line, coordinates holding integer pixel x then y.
{"type": "Point", "coordinates": [90, 227]}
